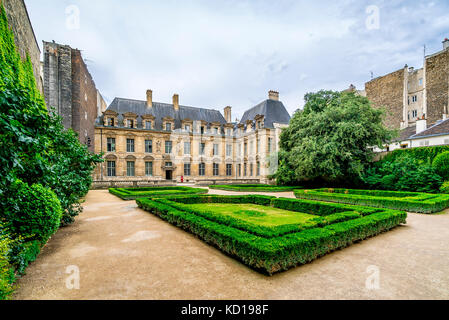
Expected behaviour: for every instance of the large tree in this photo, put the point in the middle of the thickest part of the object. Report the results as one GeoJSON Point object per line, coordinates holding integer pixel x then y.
{"type": "Point", "coordinates": [330, 139]}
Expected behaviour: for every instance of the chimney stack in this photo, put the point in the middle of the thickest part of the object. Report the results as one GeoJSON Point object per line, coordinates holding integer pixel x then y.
{"type": "Point", "coordinates": [149, 99]}
{"type": "Point", "coordinates": [228, 114]}
{"type": "Point", "coordinates": [176, 102]}
{"type": "Point", "coordinates": [445, 44]}
{"type": "Point", "coordinates": [421, 125]}
{"type": "Point", "coordinates": [273, 95]}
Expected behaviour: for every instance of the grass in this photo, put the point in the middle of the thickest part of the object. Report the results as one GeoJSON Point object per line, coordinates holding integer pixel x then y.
{"type": "Point", "coordinates": [253, 188]}
{"type": "Point", "coordinates": [398, 200]}
{"type": "Point", "coordinates": [136, 193]}
{"type": "Point", "coordinates": [272, 234]}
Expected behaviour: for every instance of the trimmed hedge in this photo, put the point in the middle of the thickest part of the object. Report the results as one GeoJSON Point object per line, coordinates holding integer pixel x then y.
{"type": "Point", "coordinates": [341, 227]}
{"type": "Point", "coordinates": [426, 154]}
{"type": "Point", "coordinates": [136, 193]}
{"type": "Point", "coordinates": [398, 200]}
{"type": "Point", "coordinates": [253, 188]}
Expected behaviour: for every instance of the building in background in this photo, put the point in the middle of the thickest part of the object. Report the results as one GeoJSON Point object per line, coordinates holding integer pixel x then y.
{"type": "Point", "coordinates": [152, 142]}
{"type": "Point", "coordinates": [410, 95]}
{"type": "Point", "coordinates": [25, 39]}
{"type": "Point", "coordinates": [70, 90]}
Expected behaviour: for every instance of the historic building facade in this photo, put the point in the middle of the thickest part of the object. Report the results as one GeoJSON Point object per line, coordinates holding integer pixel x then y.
{"type": "Point", "coordinates": [71, 91]}
{"type": "Point", "coordinates": [411, 94]}
{"type": "Point", "coordinates": [154, 142]}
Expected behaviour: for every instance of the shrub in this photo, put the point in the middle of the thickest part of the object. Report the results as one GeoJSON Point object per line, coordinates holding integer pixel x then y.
{"type": "Point", "coordinates": [6, 270]}
{"type": "Point", "coordinates": [424, 154]}
{"type": "Point", "coordinates": [32, 212]}
{"type": "Point", "coordinates": [136, 193]}
{"type": "Point", "coordinates": [445, 187]}
{"type": "Point", "coordinates": [253, 188]}
{"type": "Point", "coordinates": [441, 165]}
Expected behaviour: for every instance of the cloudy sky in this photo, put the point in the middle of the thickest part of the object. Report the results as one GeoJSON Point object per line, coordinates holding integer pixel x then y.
{"type": "Point", "coordinates": [232, 52]}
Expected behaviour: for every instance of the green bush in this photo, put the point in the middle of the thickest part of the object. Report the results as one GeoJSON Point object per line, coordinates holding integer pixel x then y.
{"type": "Point", "coordinates": [445, 187]}
{"type": "Point", "coordinates": [273, 254]}
{"type": "Point", "coordinates": [441, 165]}
{"type": "Point", "coordinates": [408, 201]}
{"type": "Point", "coordinates": [424, 154]}
{"type": "Point", "coordinates": [403, 174]}
{"type": "Point", "coordinates": [32, 212]}
{"type": "Point", "coordinates": [136, 193]}
{"type": "Point", "coordinates": [6, 269]}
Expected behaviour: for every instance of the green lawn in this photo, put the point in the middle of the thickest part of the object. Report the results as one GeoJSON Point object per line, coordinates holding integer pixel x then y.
{"type": "Point", "coordinates": [256, 214]}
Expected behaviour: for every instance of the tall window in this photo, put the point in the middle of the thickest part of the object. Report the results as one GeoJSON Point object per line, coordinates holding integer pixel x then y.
{"type": "Point", "coordinates": [216, 169]}
{"type": "Point", "coordinates": [187, 169]}
{"type": "Point", "coordinates": [168, 147]}
{"type": "Point", "coordinates": [149, 146]}
{"type": "Point", "coordinates": [245, 169]}
{"type": "Point", "coordinates": [202, 170]}
{"type": "Point", "coordinates": [251, 170]}
{"type": "Point", "coordinates": [245, 150]}
{"type": "Point", "coordinates": [111, 169]}
{"type": "Point", "coordinates": [240, 170]}
{"type": "Point", "coordinates": [168, 126]}
{"type": "Point", "coordinates": [148, 125]}
{"type": "Point", "coordinates": [216, 152]}
{"type": "Point", "coordinates": [111, 144]}
{"type": "Point", "coordinates": [129, 145]}
{"type": "Point", "coordinates": [202, 149]}
{"type": "Point", "coordinates": [228, 150]}
{"type": "Point", "coordinates": [202, 130]}
{"type": "Point", "coordinates": [229, 170]}
{"type": "Point", "coordinates": [149, 169]}
{"type": "Point", "coordinates": [270, 145]}
{"type": "Point", "coordinates": [130, 169]}
{"type": "Point", "coordinates": [258, 168]}
{"type": "Point", "coordinates": [186, 147]}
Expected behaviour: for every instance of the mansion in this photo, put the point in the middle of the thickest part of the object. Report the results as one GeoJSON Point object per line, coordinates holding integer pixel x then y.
{"type": "Point", "coordinates": [154, 142]}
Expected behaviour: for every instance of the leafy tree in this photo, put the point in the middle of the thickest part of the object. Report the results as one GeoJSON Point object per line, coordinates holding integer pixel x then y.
{"type": "Point", "coordinates": [330, 139]}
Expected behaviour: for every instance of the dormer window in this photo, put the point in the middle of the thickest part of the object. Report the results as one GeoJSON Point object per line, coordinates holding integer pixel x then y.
{"type": "Point", "coordinates": [216, 130]}
{"type": "Point", "coordinates": [148, 125]}
{"type": "Point", "coordinates": [187, 128]}
{"type": "Point", "coordinates": [202, 130]}
{"type": "Point", "coordinates": [131, 124]}
{"type": "Point", "coordinates": [168, 127]}
{"type": "Point", "coordinates": [111, 122]}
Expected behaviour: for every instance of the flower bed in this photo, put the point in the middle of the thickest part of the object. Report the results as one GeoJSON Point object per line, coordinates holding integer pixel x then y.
{"type": "Point", "coordinates": [270, 234]}
{"type": "Point", "coordinates": [135, 193]}
{"type": "Point", "coordinates": [407, 201]}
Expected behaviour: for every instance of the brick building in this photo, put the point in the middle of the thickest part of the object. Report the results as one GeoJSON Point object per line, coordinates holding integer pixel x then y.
{"type": "Point", "coordinates": [152, 142]}
{"type": "Point", "coordinates": [410, 95]}
{"type": "Point", "coordinates": [71, 91]}
{"type": "Point", "coordinates": [24, 36]}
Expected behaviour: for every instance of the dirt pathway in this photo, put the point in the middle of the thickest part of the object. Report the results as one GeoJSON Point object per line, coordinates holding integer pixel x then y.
{"type": "Point", "coordinates": [122, 252]}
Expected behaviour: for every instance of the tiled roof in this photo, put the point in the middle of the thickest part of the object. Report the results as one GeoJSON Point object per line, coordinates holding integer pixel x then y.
{"type": "Point", "coordinates": [438, 129]}
{"type": "Point", "coordinates": [274, 112]}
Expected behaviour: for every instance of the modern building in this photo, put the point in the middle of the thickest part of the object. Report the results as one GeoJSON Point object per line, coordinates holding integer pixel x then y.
{"type": "Point", "coordinates": [153, 142]}
{"type": "Point", "coordinates": [24, 36]}
{"type": "Point", "coordinates": [410, 94]}
{"type": "Point", "coordinates": [70, 90]}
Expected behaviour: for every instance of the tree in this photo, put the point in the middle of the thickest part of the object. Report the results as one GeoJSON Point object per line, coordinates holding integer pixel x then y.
{"type": "Point", "coordinates": [331, 138]}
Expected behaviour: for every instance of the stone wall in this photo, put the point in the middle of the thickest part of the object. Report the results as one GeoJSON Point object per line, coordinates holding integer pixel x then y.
{"type": "Point", "coordinates": [388, 92]}
{"type": "Point", "coordinates": [437, 85]}
{"type": "Point", "coordinates": [25, 38]}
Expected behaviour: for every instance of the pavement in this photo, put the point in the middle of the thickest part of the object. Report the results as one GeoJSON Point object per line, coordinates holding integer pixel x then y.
{"type": "Point", "coordinates": [114, 251]}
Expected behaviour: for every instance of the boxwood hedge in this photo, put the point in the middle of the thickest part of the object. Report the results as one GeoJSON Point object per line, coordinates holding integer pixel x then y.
{"type": "Point", "coordinates": [253, 188]}
{"type": "Point", "coordinates": [268, 250]}
{"type": "Point", "coordinates": [398, 200]}
{"type": "Point", "coordinates": [135, 193]}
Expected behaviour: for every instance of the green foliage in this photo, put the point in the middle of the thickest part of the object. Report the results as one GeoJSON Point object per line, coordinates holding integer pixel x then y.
{"type": "Point", "coordinates": [408, 201]}
{"type": "Point", "coordinates": [403, 174]}
{"type": "Point", "coordinates": [136, 193]}
{"type": "Point", "coordinates": [271, 253]}
{"type": "Point", "coordinates": [6, 269]}
{"type": "Point", "coordinates": [32, 212]}
{"type": "Point", "coordinates": [253, 188]}
{"type": "Point", "coordinates": [424, 154]}
{"type": "Point", "coordinates": [445, 187]}
{"type": "Point", "coordinates": [329, 140]}
{"type": "Point", "coordinates": [441, 165]}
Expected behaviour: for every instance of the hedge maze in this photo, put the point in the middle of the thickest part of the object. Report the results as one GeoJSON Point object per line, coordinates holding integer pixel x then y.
{"type": "Point", "coordinates": [272, 234]}
{"type": "Point", "coordinates": [136, 193]}
{"type": "Point", "coordinates": [253, 188]}
{"type": "Point", "coordinates": [407, 201]}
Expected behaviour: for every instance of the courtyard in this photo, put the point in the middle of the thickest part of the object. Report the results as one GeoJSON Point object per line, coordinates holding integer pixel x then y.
{"type": "Point", "coordinates": [123, 252]}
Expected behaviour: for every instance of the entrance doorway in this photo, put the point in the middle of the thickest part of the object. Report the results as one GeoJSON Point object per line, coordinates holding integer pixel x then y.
{"type": "Point", "coordinates": [169, 175]}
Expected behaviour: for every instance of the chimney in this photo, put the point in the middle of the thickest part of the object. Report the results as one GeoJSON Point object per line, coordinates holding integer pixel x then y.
{"type": "Point", "coordinates": [149, 99]}
{"type": "Point", "coordinates": [273, 95]}
{"type": "Point", "coordinates": [176, 102]}
{"type": "Point", "coordinates": [421, 125]}
{"type": "Point", "coordinates": [228, 114]}
{"type": "Point", "coordinates": [445, 44]}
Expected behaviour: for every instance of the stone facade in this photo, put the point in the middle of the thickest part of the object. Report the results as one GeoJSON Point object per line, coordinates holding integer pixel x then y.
{"type": "Point", "coordinates": [71, 91]}
{"type": "Point", "coordinates": [437, 85]}
{"type": "Point", "coordinates": [194, 150]}
{"type": "Point", "coordinates": [25, 38]}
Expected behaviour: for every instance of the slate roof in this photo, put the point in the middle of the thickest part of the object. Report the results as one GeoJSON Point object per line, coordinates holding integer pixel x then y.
{"type": "Point", "coordinates": [406, 133]}
{"type": "Point", "coordinates": [162, 110]}
{"type": "Point", "coordinates": [439, 129]}
{"type": "Point", "coordinates": [274, 112]}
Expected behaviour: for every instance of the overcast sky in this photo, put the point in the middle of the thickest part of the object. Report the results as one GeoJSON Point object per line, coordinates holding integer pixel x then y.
{"type": "Point", "coordinates": [216, 53]}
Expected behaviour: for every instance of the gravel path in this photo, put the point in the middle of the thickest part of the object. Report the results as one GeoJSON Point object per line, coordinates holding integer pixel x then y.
{"type": "Point", "coordinates": [122, 252]}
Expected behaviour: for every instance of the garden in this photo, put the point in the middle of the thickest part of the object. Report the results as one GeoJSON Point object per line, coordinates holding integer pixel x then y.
{"type": "Point", "coordinates": [136, 193]}
{"type": "Point", "coordinates": [253, 188]}
{"type": "Point", "coordinates": [271, 234]}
